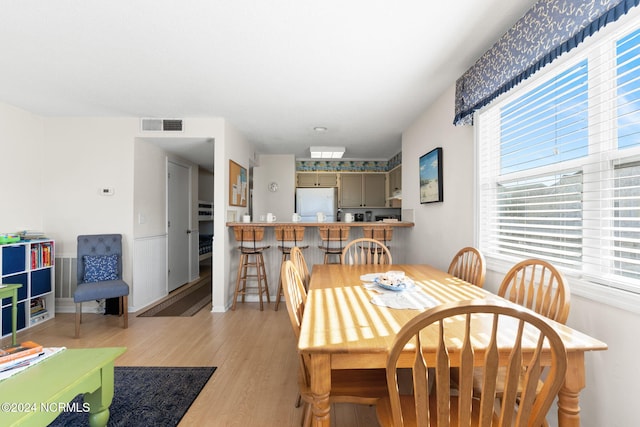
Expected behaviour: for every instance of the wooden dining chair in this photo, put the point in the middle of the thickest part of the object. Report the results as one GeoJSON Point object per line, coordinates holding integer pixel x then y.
{"type": "Point", "coordinates": [538, 285]}
{"type": "Point", "coordinates": [301, 265]}
{"type": "Point", "coordinates": [469, 265]}
{"type": "Point", "coordinates": [366, 251]}
{"type": "Point", "coordinates": [517, 338]}
{"type": "Point", "coordinates": [359, 386]}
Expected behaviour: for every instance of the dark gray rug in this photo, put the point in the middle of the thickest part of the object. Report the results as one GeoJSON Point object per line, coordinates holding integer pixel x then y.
{"type": "Point", "coordinates": [147, 396]}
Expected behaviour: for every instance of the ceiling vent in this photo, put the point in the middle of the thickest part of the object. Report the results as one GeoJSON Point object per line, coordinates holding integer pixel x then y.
{"type": "Point", "coordinates": [162, 125]}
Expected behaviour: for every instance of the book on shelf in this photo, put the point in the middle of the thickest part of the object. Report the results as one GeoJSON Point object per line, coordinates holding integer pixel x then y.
{"type": "Point", "coordinates": [39, 317]}
{"type": "Point", "coordinates": [31, 234]}
{"type": "Point", "coordinates": [7, 354]}
{"type": "Point", "coordinates": [40, 255]}
{"type": "Point", "coordinates": [39, 312]}
{"type": "Point", "coordinates": [37, 306]}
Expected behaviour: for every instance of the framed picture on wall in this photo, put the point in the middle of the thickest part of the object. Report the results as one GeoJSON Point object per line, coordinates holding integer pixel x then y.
{"type": "Point", "coordinates": [238, 184]}
{"type": "Point", "coordinates": [431, 176]}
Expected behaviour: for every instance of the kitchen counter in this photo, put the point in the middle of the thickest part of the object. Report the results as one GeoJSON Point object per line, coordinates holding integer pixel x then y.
{"type": "Point", "coordinates": [314, 254]}
{"type": "Point", "coordinates": [320, 224]}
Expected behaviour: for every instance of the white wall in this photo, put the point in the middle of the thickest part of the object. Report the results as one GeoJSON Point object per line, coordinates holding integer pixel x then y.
{"type": "Point", "coordinates": [612, 382]}
{"type": "Point", "coordinates": [234, 147]}
{"type": "Point", "coordinates": [85, 155]}
{"type": "Point", "coordinates": [280, 169]}
{"type": "Point", "coordinates": [21, 173]}
{"type": "Point", "coordinates": [150, 222]}
{"type": "Point", "coordinates": [54, 167]}
{"type": "Point", "coordinates": [150, 203]}
{"type": "Point", "coordinates": [62, 163]}
{"type": "Point", "coordinates": [150, 190]}
{"type": "Point", "coordinates": [441, 228]}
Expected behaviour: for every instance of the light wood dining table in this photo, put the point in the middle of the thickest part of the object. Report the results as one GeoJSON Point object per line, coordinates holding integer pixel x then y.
{"type": "Point", "coordinates": [342, 329]}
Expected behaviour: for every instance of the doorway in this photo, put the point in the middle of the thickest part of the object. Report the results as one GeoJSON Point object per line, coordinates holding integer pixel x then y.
{"type": "Point", "coordinates": [178, 224]}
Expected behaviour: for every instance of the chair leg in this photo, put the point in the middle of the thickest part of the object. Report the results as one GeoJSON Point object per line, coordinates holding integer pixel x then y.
{"type": "Point", "coordinates": [306, 415]}
{"type": "Point", "coordinates": [258, 263]}
{"type": "Point", "coordinates": [238, 278]}
{"type": "Point", "coordinates": [261, 275]}
{"type": "Point", "coordinates": [124, 301]}
{"type": "Point", "coordinates": [264, 276]}
{"type": "Point", "coordinates": [279, 292]}
{"type": "Point", "coordinates": [245, 273]}
{"type": "Point", "coordinates": [78, 318]}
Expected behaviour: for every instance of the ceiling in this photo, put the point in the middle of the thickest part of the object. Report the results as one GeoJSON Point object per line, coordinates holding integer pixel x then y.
{"type": "Point", "coordinates": [364, 69]}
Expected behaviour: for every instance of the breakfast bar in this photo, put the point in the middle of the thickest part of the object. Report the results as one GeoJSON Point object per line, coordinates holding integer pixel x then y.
{"type": "Point", "coordinates": [313, 254]}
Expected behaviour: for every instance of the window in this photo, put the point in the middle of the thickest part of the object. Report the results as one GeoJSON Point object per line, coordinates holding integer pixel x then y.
{"type": "Point", "coordinates": [559, 165]}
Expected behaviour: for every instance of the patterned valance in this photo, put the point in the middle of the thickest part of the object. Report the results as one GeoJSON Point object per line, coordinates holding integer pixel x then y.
{"type": "Point", "coordinates": [548, 29]}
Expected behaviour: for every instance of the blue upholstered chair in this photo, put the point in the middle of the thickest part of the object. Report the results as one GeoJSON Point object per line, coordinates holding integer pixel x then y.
{"type": "Point", "coordinates": [100, 273]}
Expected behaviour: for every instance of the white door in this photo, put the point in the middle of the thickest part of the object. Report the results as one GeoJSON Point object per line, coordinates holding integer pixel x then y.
{"type": "Point", "coordinates": [179, 201]}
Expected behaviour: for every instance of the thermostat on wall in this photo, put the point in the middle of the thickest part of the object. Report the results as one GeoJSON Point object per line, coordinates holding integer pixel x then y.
{"type": "Point", "coordinates": [106, 191]}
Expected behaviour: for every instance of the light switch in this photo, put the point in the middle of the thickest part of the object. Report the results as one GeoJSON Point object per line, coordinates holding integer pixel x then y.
{"type": "Point", "coordinates": [106, 191]}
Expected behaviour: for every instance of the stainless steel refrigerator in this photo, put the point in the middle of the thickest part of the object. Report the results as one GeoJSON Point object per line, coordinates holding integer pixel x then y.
{"type": "Point", "coordinates": [310, 201]}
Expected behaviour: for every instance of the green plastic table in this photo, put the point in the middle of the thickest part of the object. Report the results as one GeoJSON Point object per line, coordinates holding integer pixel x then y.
{"type": "Point", "coordinates": [7, 290]}
{"type": "Point", "coordinates": [35, 396]}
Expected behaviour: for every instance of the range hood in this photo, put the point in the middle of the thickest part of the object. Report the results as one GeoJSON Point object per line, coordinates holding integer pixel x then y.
{"type": "Point", "coordinates": [397, 195]}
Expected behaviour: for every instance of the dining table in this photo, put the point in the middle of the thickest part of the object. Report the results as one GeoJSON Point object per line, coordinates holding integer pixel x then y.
{"type": "Point", "coordinates": [350, 323]}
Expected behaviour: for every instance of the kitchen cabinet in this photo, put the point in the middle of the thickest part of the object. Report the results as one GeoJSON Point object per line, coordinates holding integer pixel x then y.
{"type": "Point", "coordinates": [316, 179]}
{"type": "Point", "coordinates": [395, 187]}
{"type": "Point", "coordinates": [359, 190]}
{"type": "Point", "coordinates": [395, 180]}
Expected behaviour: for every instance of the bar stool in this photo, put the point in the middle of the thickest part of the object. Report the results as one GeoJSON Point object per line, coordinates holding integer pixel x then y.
{"type": "Point", "coordinates": [333, 233]}
{"type": "Point", "coordinates": [382, 234]}
{"type": "Point", "coordinates": [287, 233]}
{"type": "Point", "coordinates": [250, 257]}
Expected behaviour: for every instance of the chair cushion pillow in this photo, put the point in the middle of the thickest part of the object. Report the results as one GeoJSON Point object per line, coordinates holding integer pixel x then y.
{"type": "Point", "coordinates": [98, 268]}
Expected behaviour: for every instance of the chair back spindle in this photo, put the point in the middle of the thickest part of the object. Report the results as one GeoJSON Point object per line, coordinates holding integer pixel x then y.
{"type": "Point", "coordinates": [366, 251]}
{"type": "Point", "coordinates": [469, 265]}
{"type": "Point", "coordinates": [530, 341]}
{"type": "Point", "coordinates": [538, 285]}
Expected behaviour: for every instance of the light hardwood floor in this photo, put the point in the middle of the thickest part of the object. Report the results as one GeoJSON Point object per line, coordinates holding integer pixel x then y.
{"type": "Point", "coordinates": [254, 351]}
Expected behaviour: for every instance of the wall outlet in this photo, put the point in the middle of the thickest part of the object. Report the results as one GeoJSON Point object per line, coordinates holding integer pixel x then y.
{"type": "Point", "coordinates": [106, 191]}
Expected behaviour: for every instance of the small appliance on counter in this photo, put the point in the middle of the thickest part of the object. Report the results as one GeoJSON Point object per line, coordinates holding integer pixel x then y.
{"type": "Point", "coordinates": [368, 216]}
{"type": "Point", "coordinates": [383, 217]}
{"type": "Point", "coordinates": [359, 217]}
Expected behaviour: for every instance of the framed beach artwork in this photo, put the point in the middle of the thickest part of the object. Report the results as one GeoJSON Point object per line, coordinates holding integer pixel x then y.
{"type": "Point", "coordinates": [431, 176]}
{"type": "Point", "coordinates": [237, 184]}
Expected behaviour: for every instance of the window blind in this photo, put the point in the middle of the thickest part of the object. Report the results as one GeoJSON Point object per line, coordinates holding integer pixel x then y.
{"type": "Point", "coordinates": [559, 165]}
